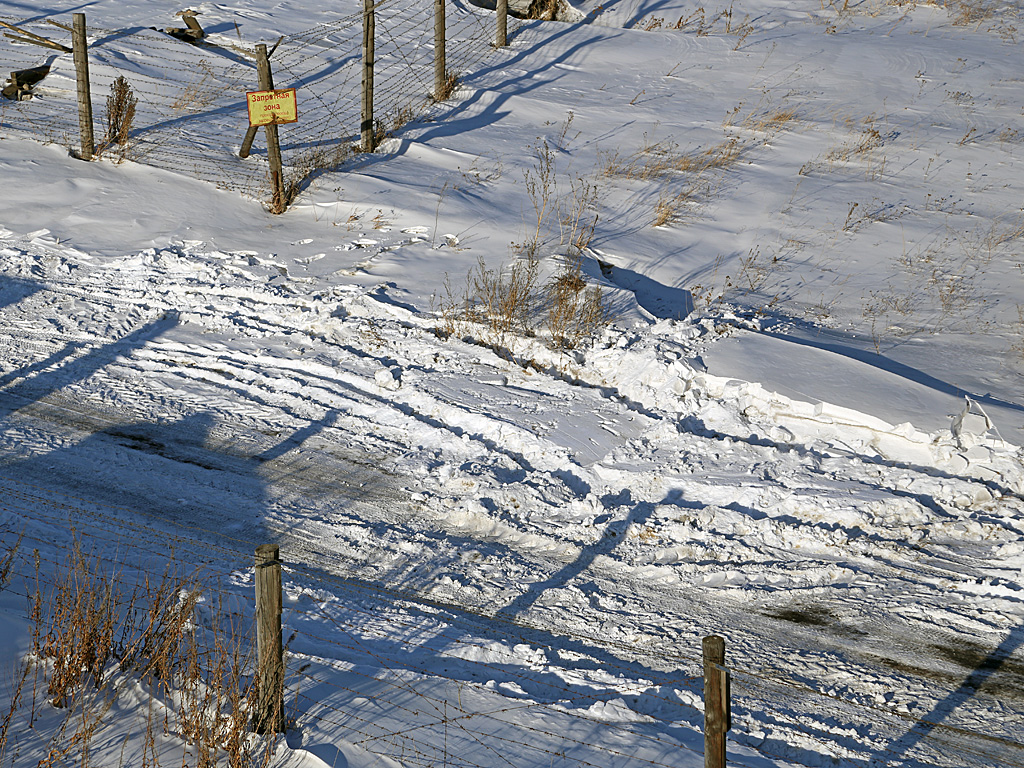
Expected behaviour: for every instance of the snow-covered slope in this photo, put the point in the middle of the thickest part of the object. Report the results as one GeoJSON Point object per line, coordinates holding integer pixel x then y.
{"type": "Point", "coordinates": [799, 431]}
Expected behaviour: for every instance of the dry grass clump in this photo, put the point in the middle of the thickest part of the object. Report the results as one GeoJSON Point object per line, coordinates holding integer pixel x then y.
{"type": "Point", "coordinates": [1002, 233]}
{"type": "Point", "coordinates": [703, 24]}
{"type": "Point", "coordinates": [669, 207]}
{"type": "Point", "coordinates": [577, 216]}
{"type": "Point", "coordinates": [544, 10]}
{"type": "Point", "coordinates": [541, 183]}
{"type": "Point", "coordinates": [766, 121]}
{"type": "Point", "coordinates": [990, 14]}
{"type": "Point", "coordinates": [121, 104]}
{"type": "Point", "coordinates": [96, 636]}
{"type": "Point", "coordinates": [965, 13]}
{"type": "Point", "coordinates": [448, 87]}
{"type": "Point", "coordinates": [567, 216]}
{"type": "Point", "coordinates": [305, 167]}
{"type": "Point", "coordinates": [665, 159]}
{"type": "Point", "coordinates": [201, 92]}
{"type": "Point", "coordinates": [502, 300]}
{"type": "Point", "coordinates": [860, 150]}
{"type": "Point", "coordinates": [867, 140]}
{"type": "Point", "coordinates": [937, 285]}
{"type": "Point", "coordinates": [666, 164]}
{"type": "Point", "coordinates": [500, 306]}
{"type": "Point", "coordinates": [695, 21]}
{"type": "Point", "coordinates": [575, 312]}
{"type": "Point", "coordinates": [7, 562]}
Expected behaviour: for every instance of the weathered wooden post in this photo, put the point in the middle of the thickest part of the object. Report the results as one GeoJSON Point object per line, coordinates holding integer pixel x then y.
{"type": "Point", "coordinates": [79, 46]}
{"type": "Point", "coordinates": [440, 75]}
{"type": "Point", "coordinates": [266, 80]}
{"type": "Point", "coordinates": [268, 716]}
{"type": "Point", "coordinates": [717, 715]}
{"type": "Point", "coordinates": [501, 37]}
{"type": "Point", "coordinates": [366, 126]}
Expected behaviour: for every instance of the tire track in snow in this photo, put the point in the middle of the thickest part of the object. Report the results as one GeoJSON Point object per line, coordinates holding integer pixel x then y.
{"type": "Point", "coordinates": [586, 562]}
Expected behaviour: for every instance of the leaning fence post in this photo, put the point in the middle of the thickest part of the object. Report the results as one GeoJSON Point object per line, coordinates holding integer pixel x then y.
{"type": "Point", "coordinates": [366, 126]}
{"type": "Point", "coordinates": [501, 37]}
{"type": "Point", "coordinates": [717, 714]}
{"type": "Point", "coordinates": [440, 75]}
{"type": "Point", "coordinates": [266, 79]}
{"type": "Point", "coordinates": [79, 46]}
{"type": "Point", "coordinates": [268, 716]}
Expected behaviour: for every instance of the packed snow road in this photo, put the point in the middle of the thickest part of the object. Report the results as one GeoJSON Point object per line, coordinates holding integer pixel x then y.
{"type": "Point", "coordinates": [617, 502]}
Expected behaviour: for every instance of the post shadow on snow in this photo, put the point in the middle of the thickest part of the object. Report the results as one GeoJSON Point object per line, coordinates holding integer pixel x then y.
{"type": "Point", "coordinates": [181, 475]}
{"type": "Point", "coordinates": [234, 495]}
{"type": "Point", "coordinates": [41, 382]}
{"type": "Point", "coordinates": [326, 69]}
{"type": "Point", "coordinates": [117, 34]}
{"type": "Point", "coordinates": [16, 289]}
{"type": "Point", "coordinates": [576, 483]}
{"type": "Point", "coordinates": [501, 624]}
{"type": "Point", "coordinates": [186, 475]}
{"type": "Point", "coordinates": [84, 466]}
{"type": "Point", "coordinates": [44, 13]}
{"type": "Point", "coordinates": [32, 368]}
{"type": "Point", "coordinates": [447, 127]}
{"type": "Point", "coordinates": [983, 676]}
{"type": "Point", "coordinates": [235, 108]}
{"type": "Point", "coordinates": [361, 597]}
{"type": "Point", "coordinates": [163, 36]}
{"type": "Point", "coordinates": [645, 11]}
{"type": "Point", "coordinates": [612, 534]}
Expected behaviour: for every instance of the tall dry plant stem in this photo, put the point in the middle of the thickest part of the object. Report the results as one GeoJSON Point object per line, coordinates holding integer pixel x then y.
{"type": "Point", "coordinates": [121, 104]}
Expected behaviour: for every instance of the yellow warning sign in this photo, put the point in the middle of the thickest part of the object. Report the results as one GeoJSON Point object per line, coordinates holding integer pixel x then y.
{"type": "Point", "coordinates": [266, 107]}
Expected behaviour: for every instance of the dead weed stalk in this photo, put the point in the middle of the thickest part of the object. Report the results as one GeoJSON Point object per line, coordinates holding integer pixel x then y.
{"type": "Point", "coordinates": [575, 312]}
{"type": "Point", "coordinates": [121, 104]}
{"type": "Point", "coordinates": [92, 633]}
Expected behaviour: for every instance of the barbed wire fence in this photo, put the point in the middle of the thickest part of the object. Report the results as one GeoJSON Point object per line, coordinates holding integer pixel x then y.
{"type": "Point", "coordinates": [191, 113]}
{"type": "Point", "coordinates": [401, 675]}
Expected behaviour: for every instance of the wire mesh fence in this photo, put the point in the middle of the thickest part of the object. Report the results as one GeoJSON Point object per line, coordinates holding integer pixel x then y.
{"type": "Point", "coordinates": [426, 683]}
{"type": "Point", "coordinates": [191, 115]}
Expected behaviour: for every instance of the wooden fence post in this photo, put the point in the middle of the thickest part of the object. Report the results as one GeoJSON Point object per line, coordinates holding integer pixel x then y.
{"type": "Point", "coordinates": [501, 37]}
{"type": "Point", "coordinates": [717, 712]}
{"type": "Point", "coordinates": [266, 81]}
{"type": "Point", "coordinates": [79, 45]}
{"type": "Point", "coordinates": [440, 74]}
{"type": "Point", "coordinates": [366, 126]}
{"type": "Point", "coordinates": [268, 716]}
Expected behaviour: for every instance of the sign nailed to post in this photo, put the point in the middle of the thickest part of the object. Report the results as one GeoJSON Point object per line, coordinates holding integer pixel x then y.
{"type": "Point", "coordinates": [272, 107]}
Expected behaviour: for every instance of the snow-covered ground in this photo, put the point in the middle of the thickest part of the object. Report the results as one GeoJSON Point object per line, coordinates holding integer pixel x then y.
{"type": "Point", "coordinates": [800, 430]}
